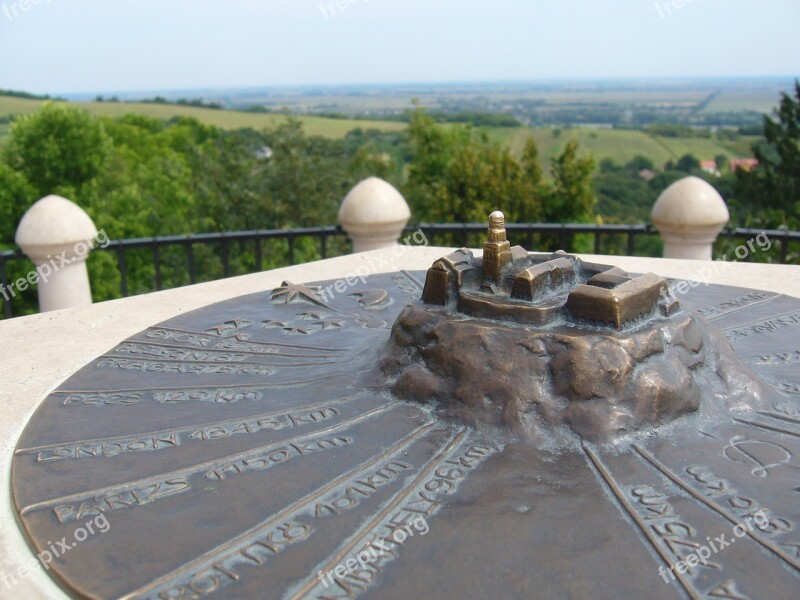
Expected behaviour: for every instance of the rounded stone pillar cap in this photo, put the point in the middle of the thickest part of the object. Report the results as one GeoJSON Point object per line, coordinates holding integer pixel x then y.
{"type": "Point", "coordinates": [373, 201]}
{"type": "Point", "coordinates": [690, 203]}
{"type": "Point", "coordinates": [53, 225]}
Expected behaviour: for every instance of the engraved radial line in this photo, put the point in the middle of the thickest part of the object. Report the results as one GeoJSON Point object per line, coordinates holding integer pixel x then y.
{"type": "Point", "coordinates": [213, 386]}
{"type": "Point", "coordinates": [182, 430]}
{"type": "Point", "coordinates": [760, 320]}
{"type": "Point", "coordinates": [605, 477]}
{"type": "Point", "coordinates": [279, 344]}
{"type": "Point", "coordinates": [741, 308]}
{"type": "Point", "coordinates": [194, 469]}
{"type": "Point", "coordinates": [767, 426]}
{"type": "Point", "coordinates": [413, 279]}
{"type": "Point", "coordinates": [398, 498]}
{"type": "Point", "coordinates": [221, 363]}
{"type": "Point", "coordinates": [221, 350]}
{"type": "Point", "coordinates": [786, 418]}
{"type": "Point", "coordinates": [211, 555]}
{"type": "Point", "coordinates": [714, 506]}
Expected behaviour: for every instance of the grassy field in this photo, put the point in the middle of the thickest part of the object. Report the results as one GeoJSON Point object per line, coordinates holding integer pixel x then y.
{"type": "Point", "coordinates": [734, 100]}
{"type": "Point", "coordinates": [621, 145]}
{"type": "Point", "coordinates": [333, 128]}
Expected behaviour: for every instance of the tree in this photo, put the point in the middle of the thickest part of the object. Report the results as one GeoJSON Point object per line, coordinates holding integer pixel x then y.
{"type": "Point", "coordinates": [770, 194]}
{"type": "Point", "coordinates": [572, 199]}
{"type": "Point", "coordinates": [305, 179]}
{"type": "Point", "coordinates": [16, 195]}
{"type": "Point", "coordinates": [58, 148]}
{"type": "Point", "coordinates": [457, 174]}
{"type": "Point", "coordinates": [639, 163]}
{"type": "Point", "coordinates": [687, 163]}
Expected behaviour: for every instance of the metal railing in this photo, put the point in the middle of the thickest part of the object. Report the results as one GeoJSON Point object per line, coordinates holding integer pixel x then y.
{"type": "Point", "coordinates": [619, 239]}
{"type": "Point", "coordinates": [224, 240]}
{"type": "Point", "coordinates": [158, 246]}
{"type": "Point", "coordinates": [525, 233]}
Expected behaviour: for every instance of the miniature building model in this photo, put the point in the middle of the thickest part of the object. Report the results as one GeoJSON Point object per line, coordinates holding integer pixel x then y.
{"type": "Point", "coordinates": [511, 284]}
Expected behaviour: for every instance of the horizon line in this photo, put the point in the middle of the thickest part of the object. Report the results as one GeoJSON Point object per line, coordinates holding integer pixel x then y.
{"type": "Point", "coordinates": [443, 82]}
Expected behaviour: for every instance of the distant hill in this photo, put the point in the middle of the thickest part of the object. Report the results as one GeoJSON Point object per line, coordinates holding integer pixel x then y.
{"type": "Point", "coordinates": [333, 128]}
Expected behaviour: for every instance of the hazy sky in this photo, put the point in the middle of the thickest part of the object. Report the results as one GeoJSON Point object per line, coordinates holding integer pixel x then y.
{"type": "Point", "coordinates": [61, 46]}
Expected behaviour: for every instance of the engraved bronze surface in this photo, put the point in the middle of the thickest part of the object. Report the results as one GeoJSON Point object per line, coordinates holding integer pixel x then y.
{"type": "Point", "coordinates": [250, 448]}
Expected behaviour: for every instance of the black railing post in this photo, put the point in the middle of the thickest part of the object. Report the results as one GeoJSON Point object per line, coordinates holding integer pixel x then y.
{"type": "Point", "coordinates": [123, 269]}
{"type": "Point", "coordinates": [7, 311]}
{"type": "Point", "coordinates": [157, 261]}
{"type": "Point", "coordinates": [290, 240]}
{"type": "Point", "coordinates": [323, 245]}
{"type": "Point", "coordinates": [631, 240]}
{"type": "Point", "coordinates": [597, 240]}
{"type": "Point", "coordinates": [190, 259]}
{"type": "Point", "coordinates": [226, 265]}
{"type": "Point", "coordinates": [259, 255]}
{"type": "Point", "coordinates": [785, 248]}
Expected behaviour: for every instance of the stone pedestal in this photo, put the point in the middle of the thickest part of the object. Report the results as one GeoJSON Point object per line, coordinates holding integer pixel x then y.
{"type": "Point", "coordinates": [374, 214]}
{"type": "Point", "coordinates": [689, 215]}
{"type": "Point", "coordinates": [57, 235]}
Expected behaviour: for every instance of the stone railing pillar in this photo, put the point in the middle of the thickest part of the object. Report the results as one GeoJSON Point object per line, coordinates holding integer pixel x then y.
{"type": "Point", "coordinates": [689, 215]}
{"type": "Point", "coordinates": [374, 214]}
{"type": "Point", "coordinates": [57, 235]}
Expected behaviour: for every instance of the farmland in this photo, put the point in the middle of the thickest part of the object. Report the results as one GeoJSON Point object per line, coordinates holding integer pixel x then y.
{"type": "Point", "coordinates": [225, 119]}
{"type": "Point", "coordinates": [620, 145]}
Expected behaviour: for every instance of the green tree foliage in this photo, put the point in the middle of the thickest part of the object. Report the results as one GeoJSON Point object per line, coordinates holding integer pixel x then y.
{"type": "Point", "coordinates": [572, 198]}
{"type": "Point", "coordinates": [15, 196]}
{"type": "Point", "coordinates": [639, 163]}
{"type": "Point", "coordinates": [532, 165]}
{"type": "Point", "coordinates": [687, 163]}
{"type": "Point", "coordinates": [306, 177]}
{"type": "Point", "coordinates": [769, 195]}
{"type": "Point", "coordinates": [622, 195]}
{"type": "Point", "coordinates": [58, 148]}
{"type": "Point", "coordinates": [457, 174]}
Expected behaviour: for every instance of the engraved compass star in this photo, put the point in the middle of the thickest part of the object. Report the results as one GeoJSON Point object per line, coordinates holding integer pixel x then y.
{"type": "Point", "coordinates": [290, 292]}
{"type": "Point", "coordinates": [311, 316]}
{"type": "Point", "coordinates": [297, 330]}
{"type": "Point", "coordinates": [329, 324]}
{"type": "Point", "coordinates": [274, 324]}
{"type": "Point", "coordinates": [229, 326]}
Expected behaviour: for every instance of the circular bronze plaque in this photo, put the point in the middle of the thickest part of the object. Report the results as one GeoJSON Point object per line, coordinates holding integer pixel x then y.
{"type": "Point", "coordinates": [237, 452]}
